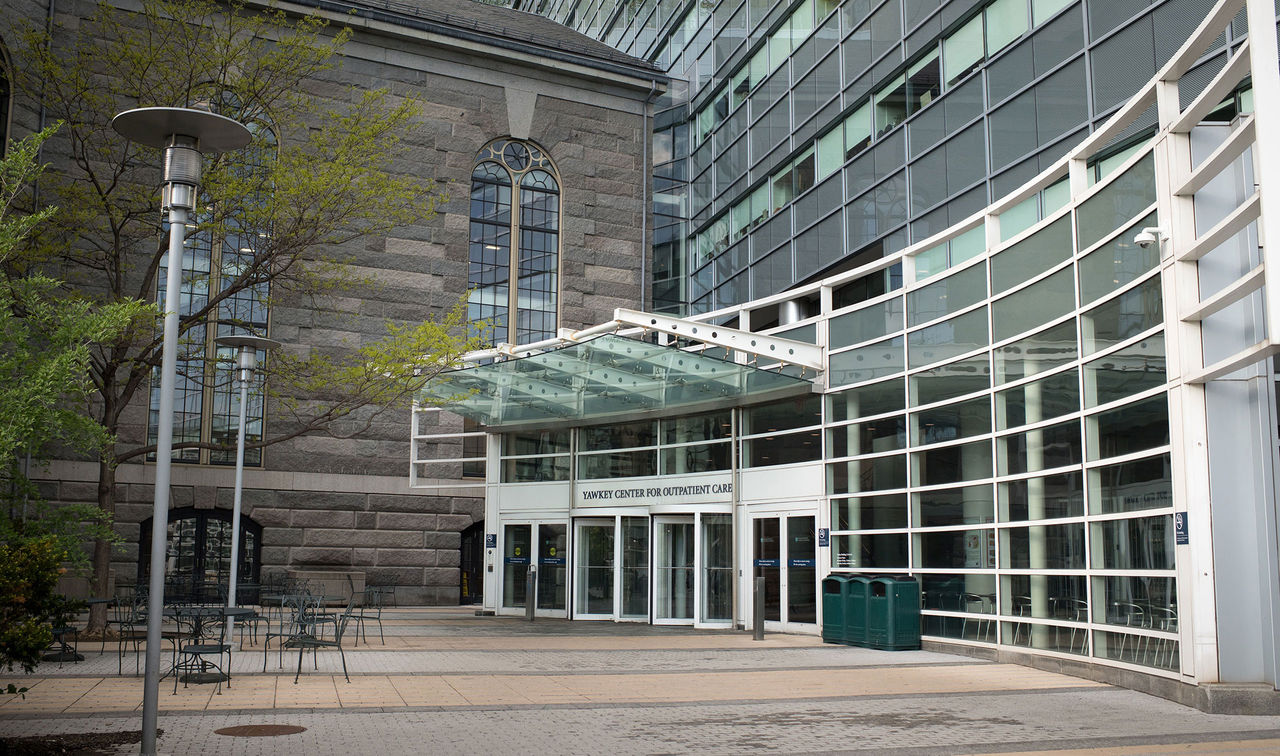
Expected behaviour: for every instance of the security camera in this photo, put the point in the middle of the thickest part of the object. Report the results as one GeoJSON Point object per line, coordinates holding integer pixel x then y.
{"type": "Point", "coordinates": [1147, 236]}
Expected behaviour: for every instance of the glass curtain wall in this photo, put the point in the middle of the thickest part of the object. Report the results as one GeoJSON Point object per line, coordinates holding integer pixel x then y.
{"type": "Point", "coordinates": [797, 136]}
{"type": "Point", "coordinates": [1001, 430]}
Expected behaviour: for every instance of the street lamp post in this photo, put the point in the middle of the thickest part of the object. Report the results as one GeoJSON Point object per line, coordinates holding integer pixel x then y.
{"type": "Point", "coordinates": [246, 363]}
{"type": "Point", "coordinates": [184, 134]}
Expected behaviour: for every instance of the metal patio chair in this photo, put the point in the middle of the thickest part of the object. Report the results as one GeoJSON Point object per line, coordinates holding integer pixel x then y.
{"type": "Point", "coordinates": [308, 641]}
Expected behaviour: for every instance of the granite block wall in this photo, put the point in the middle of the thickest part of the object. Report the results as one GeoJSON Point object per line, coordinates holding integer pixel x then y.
{"type": "Point", "coordinates": [344, 502]}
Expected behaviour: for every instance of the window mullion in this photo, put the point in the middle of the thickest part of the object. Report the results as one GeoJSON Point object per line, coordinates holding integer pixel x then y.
{"type": "Point", "coordinates": [209, 370]}
{"type": "Point", "coordinates": [513, 272]}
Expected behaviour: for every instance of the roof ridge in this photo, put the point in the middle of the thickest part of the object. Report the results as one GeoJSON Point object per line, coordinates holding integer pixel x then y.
{"type": "Point", "coordinates": [568, 40]}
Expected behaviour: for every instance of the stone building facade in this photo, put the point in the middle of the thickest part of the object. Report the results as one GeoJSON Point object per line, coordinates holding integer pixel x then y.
{"type": "Point", "coordinates": [479, 74]}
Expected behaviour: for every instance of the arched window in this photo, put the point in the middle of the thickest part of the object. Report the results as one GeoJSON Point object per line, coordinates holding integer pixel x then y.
{"type": "Point", "coordinates": [206, 398]}
{"type": "Point", "coordinates": [198, 553]}
{"type": "Point", "coordinates": [511, 173]}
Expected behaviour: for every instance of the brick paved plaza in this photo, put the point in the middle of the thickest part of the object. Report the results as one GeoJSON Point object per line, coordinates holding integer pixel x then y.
{"type": "Point", "coordinates": [449, 682]}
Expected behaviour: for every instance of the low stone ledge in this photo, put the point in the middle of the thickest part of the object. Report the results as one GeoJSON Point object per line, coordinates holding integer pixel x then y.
{"type": "Point", "coordinates": [1259, 699]}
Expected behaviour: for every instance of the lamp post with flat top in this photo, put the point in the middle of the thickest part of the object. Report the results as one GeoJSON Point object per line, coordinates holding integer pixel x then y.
{"type": "Point", "coordinates": [184, 134]}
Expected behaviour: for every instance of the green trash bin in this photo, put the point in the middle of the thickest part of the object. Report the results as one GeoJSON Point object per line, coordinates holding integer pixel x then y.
{"type": "Point", "coordinates": [893, 613]}
{"type": "Point", "coordinates": [855, 616]}
{"type": "Point", "coordinates": [835, 594]}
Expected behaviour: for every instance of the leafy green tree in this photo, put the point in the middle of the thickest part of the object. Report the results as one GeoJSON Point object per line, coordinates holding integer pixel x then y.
{"type": "Point", "coordinates": [46, 338]}
{"type": "Point", "coordinates": [320, 173]}
{"type": "Point", "coordinates": [29, 600]}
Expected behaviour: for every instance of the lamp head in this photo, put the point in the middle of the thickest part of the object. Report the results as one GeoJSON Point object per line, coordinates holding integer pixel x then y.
{"type": "Point", "coordinates": [247, 354]}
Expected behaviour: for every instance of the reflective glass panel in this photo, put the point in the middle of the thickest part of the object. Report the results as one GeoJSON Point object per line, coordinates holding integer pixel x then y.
{"type": "Point", "coordinates": [874, 474]}
{"type": "Point", "coordinates": [1032, 256]}
{"type": "Point", "coordinates": [1033, 306]}
{"type": "Point", "coordinates": [622, 436]}
{"type": "Point", "coordinates": [969, 505]}
{"type": "Point", "coordinates": [1117, 262]}
{"type": "Point", "coordinates": [1042, 596]}
{"type": "Point", "coordinates": [869, 551]}
{"type": "Point", "coordinates": [869, 512]}
{"type": "Point", "coordinates": [950, 380]}
{"type": "Point", "coordinates": [1131, 486]}
{"type": "Point", "coordinates": [952, 464]}
{"type": "Point", "coordinates": [1043, 547]}
{"type": "Point", "coordinates": [865, 363]}
{"type": "Point", "coordinates": [785, 449]}
{"type": "Point", "coordinates": [1042, 498]}
{"type": "Point", "coordinates": [974, 549]}
{"type": "Point", "coordinates": [1132, 370]}
{"type": "Point", "coordinates": [866, 324]}
{"type": "Point", "coordinates": [1054, 346]}
{"type": "Point", "coordinates": [950, 338]}
{"type": "Point", "coordinates": [1136, 310]}
{"type": "Point", "coordinates": [1144, 543]}
{"type": "Point", "coordinates": [1058, 394]}
{"type": "Point", "coordinates": [947, 296]}
{"type": "Point", "coordinates": [781, 416]}
{"type": "Point", "coordinates": [881, 435]}
{"type": "Point", "coordinates": [1039, 449]}
{"type": "Point", "coordinates": [951, 422]}
{"type": "Point", "coordinates": [1128, 195]}
{"type": "Point", "coordinates": [873, 399]}
{"type": "Point", "coordinates": [1128, 429]}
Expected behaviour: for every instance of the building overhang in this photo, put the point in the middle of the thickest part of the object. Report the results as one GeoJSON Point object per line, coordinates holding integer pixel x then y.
{"type": "Point", "coordinates": [603, 378]}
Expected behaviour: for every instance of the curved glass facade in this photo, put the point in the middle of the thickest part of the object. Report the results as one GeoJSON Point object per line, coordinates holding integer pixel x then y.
{"type": "Point", "coordinates": [801, 138]}
{"type": "Point", "coordinates": [1011, 445]}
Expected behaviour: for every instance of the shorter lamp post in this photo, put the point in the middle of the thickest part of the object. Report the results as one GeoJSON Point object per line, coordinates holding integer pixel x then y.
{"type": "Point", "coordinates": [246, 363]}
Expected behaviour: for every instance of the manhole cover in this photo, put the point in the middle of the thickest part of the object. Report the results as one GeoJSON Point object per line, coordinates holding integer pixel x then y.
{"type": "Point", "coordinates": [260, 731]}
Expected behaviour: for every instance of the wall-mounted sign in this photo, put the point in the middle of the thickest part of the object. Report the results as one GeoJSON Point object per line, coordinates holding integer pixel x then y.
{"type": "Point", "coordinates": [824, 537]}
{"type": "Point", "coordinates": [669, 489]}
{"type": "Point", "coordinates": [491, 540]}
{"type": "Point", "coordinates": [1181, 534]}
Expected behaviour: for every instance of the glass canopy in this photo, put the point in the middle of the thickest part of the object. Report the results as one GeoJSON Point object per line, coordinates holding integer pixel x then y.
{"type": "Point", "coordinates": [605, 378]}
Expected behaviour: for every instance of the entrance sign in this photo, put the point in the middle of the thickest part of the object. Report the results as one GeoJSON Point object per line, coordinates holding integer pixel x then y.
{"type": "Point", "coordinates": [1181, 533]}
{"type": "Point", "coordinates": [824, 537]}
{"type": "Point", "coordinates": [685, 489]}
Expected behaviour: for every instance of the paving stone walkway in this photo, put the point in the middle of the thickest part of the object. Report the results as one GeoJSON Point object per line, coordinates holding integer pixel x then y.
{"type": "Point", "coordinates": [449, 682]}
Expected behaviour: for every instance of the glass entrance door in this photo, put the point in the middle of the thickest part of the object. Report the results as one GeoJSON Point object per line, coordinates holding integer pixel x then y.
{"type": "Point", "coordinates": [802, 571]}
{"type": "Point", "coordinates": [635, 568]}
{"type": "Point", "coordinates": [767, 564]}
{"type": "Point", "coordinates": [516, 552]}
{"type": "Point", "coordinates": [593, 569]}
{"type": "Point", "coordinates": [546, 546]}
{"type": "Point", "coordinates": [785, 552]}
{"type": "Point", "coordinates": [673, 594]}
{"type": "Point", "coordinates": [717, 569]}
{"type": "Point", "coordinates": [553, 548]}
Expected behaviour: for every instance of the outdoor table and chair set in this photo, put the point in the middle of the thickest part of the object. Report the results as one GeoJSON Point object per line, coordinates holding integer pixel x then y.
{"type": "Point", "coordinates": [197, 623]}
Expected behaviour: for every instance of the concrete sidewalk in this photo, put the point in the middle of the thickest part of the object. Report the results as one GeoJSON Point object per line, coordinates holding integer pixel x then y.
{"type": "Point", "coordinates": [449, 682]}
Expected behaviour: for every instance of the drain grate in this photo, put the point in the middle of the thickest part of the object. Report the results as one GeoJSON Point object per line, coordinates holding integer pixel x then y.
{"type": "Point", "coordinates": [260, 731]}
